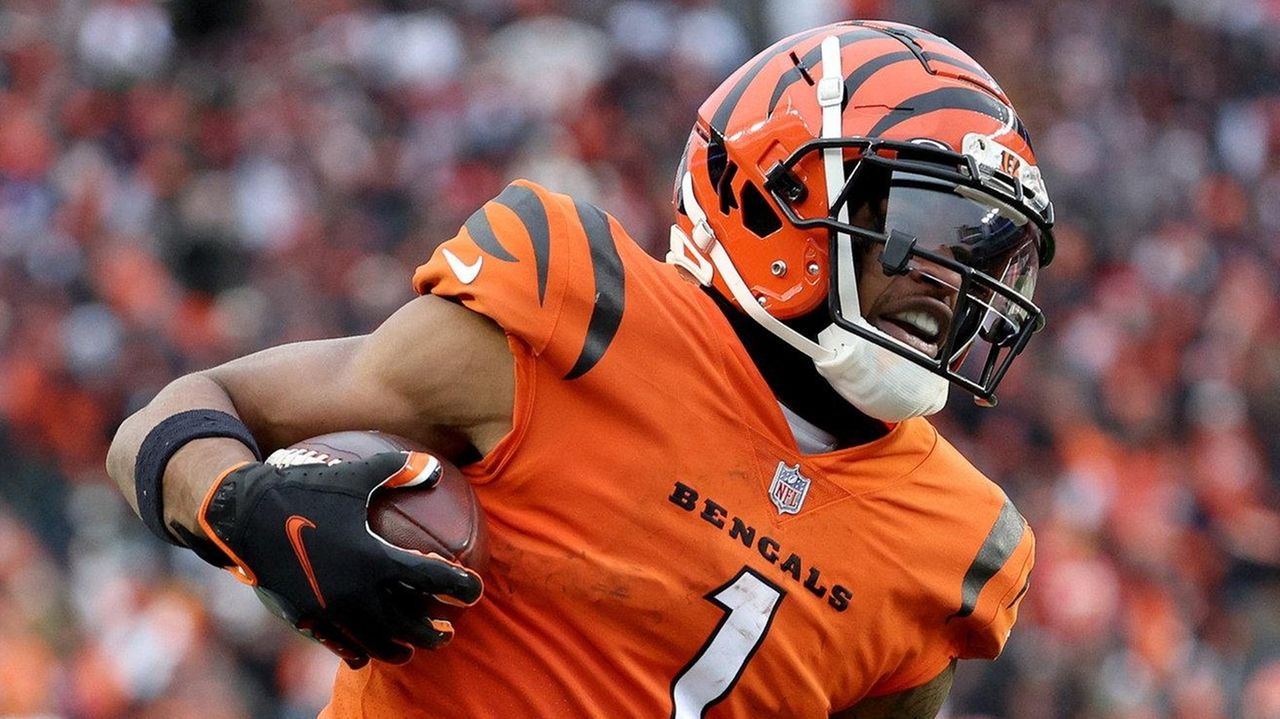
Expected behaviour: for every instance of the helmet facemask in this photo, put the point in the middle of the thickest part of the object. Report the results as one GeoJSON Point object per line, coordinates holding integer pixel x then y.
{"type": "Point", "coordinates": [918, 213]}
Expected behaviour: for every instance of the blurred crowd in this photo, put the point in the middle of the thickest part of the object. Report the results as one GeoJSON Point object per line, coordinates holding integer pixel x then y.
{"type": "Point", "coordinates": [184, 182]}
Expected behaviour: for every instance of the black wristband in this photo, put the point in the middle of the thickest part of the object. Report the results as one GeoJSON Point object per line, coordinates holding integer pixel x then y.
{"type": "Point", "coordinates": [166, 438]}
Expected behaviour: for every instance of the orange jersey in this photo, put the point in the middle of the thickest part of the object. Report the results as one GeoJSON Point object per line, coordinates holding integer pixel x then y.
{"type": "Point", "coordinates": [660, 547]}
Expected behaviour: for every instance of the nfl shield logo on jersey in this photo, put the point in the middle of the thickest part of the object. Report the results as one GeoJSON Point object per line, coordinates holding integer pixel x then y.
{"type": "Point", "coordinates": [788, 489]}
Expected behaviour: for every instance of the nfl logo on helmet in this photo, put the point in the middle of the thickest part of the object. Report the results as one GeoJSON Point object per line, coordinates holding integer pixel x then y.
{"type": "Point", "coordinates": [788, 488]}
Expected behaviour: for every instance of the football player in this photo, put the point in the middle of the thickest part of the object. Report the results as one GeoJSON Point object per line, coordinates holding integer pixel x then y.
{"type": "Point", "coordinates": [709, 484]}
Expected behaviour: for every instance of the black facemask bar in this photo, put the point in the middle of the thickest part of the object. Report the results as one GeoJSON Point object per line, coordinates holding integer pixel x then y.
{"type": "Point", "coordinates": [975, 314]}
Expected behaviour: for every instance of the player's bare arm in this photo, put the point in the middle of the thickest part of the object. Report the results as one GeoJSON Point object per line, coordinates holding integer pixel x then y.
{"type": "Point", "coordinates": [434, 372]}
{"type": "Point", "coordinates": [922, 702]}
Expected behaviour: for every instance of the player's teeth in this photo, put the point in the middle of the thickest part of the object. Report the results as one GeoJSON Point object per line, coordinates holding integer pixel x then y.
{"type": "Point", "coordinates": [923, 322]}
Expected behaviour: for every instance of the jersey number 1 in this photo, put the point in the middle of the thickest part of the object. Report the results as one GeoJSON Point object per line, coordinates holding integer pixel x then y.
{"type": "Point", "coordinates": [749, 602]}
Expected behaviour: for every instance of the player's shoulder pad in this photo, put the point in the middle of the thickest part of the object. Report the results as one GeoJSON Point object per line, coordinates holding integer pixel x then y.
{"type": "Point", "coordinates": [986, 560]}
{"type": "Point", "coordinates": [544, 266]}
{"type": "Point", "coordinates": [996, 578]}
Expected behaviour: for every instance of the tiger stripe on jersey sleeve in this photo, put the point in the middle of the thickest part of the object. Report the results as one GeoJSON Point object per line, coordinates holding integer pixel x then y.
{"type": "Point", "coordinates": [481, 233]}
{"type": "Point", "coordinates": [499, 264]}
{"type": "Point", "coordinates": [993, 586]}
{"type": "Point", "coordinates": [1001, 541]}
{"type": "Point", "coordinates": [527, 206]}
{"type": "Point", "coordinates": [545, 267]}
{"type": "Point", "coordinates": [610, 289]}
{"type": "Point", "coordinates": [525, 203]}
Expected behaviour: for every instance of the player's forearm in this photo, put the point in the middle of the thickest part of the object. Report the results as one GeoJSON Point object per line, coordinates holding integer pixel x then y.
{"type": "Point", "coordinates": [193, 468]}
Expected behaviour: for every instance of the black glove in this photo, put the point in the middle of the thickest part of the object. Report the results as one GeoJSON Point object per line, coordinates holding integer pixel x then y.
{"type": "Point", "coordinates": [300, 536]}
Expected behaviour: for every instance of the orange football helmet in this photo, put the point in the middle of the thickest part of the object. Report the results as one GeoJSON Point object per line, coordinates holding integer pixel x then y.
{"type": "Point", "coordinates": [826, 121]}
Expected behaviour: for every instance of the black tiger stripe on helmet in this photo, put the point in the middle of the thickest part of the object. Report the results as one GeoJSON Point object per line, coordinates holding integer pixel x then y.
{"type": "Point", "coordinates": [720, 119]}
{"type": "Point", "coordinates": [810, 60]}
{"type": "Point", "coordinates": [944, 98]}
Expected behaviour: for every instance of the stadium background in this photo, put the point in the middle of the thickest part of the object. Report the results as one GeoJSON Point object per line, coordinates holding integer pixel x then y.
{"type": "Point", "coordinates": [188, 181]}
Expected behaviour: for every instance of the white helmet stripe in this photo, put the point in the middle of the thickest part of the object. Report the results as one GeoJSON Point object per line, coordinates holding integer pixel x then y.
{"type": "Point", "coordinates": [831, 99]}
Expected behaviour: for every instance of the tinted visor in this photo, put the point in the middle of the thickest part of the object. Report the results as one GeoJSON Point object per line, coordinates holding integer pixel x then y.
{"type": "Point", "coordinates": [976, 231]}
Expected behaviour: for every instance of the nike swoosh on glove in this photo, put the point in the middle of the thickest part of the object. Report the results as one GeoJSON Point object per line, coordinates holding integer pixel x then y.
{"type": "Point", "coordinates": [300, 536]}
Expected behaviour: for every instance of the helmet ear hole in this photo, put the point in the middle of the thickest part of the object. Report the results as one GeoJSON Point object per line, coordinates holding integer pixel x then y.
{"type": "Point", "coordinates": [758, 215]}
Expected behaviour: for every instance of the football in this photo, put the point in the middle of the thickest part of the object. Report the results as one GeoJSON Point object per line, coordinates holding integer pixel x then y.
{"type": "Point", "coordinates": [445, 519]}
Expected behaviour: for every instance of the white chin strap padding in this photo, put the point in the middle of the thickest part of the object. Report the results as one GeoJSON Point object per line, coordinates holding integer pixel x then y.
{"type": "Point", "coordinates": [685, 254]}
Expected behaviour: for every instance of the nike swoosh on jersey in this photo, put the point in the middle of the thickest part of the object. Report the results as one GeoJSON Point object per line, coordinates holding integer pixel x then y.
{"type": "Point", "coordinates": [293, 528]}
{"type": "Point", "coordinates": [466, 273]}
